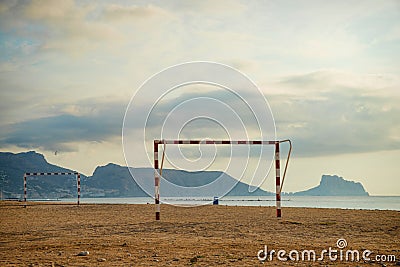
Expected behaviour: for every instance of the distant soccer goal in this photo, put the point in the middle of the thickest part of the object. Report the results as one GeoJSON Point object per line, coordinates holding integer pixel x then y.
{"type": "Point", "coordinates": [77, 174]}
{"type": "Point", "coordinates": [278, 183]}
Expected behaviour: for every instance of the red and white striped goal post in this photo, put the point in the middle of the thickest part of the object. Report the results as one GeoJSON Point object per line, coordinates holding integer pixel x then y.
{"type": "Point", "coordinates": [78, 181]}
{"type": "Point", "coordinates": [278, 184]}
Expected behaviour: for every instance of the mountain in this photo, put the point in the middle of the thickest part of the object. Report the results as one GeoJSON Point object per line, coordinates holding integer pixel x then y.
{"type": "Point", "coordinates": [112, 181]}
{"type": "Point", "coordinates": [12, 169]}
{"type": "Point", "coordinates": [118, 178]}
{"type": "Point", "coordinates": [116, 181]}
{"type": "Point", "coordinates": [109, 181]}
{"type": "Point", "coordinates": [333, 185]}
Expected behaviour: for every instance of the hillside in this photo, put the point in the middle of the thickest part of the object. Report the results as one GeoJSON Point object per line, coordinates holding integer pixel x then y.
{"type": "Point", "coordinates": [107, 181]}
{"type": "Point", "coordinates": [13, 167]}
{"type": "Point", "coordinates": [333, 185]}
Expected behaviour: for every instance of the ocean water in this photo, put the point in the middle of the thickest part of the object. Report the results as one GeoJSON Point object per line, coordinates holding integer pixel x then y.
{"type": "Point", "coordinates": [369, 203]}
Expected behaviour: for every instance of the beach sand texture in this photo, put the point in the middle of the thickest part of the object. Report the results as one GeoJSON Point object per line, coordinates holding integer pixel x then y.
{"type": "Point", "coordinates": [128, 235]}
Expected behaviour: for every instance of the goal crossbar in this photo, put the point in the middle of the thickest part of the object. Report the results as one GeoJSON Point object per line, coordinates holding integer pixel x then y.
{"type": "Point", "coordinates": [77, 174]}
{"type": "Point", "coordinates": [278, 184]}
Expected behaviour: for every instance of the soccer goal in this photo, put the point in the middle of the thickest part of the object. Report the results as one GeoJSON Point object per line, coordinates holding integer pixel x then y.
{"type": "Point", "coordinates": [278, 183]}
{"type": "Point", "coordinates": [77, 174]}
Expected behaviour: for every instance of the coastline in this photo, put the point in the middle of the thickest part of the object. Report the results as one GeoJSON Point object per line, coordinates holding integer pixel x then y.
{"type": "Point", "coordinates": [341, 202]}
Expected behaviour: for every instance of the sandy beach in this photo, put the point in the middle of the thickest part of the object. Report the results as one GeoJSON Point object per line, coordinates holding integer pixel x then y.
{"type": "Point", "coordinates": [128, 235]}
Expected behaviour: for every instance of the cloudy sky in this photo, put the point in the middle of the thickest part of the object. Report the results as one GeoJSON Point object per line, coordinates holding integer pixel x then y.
{"type": "Point", "coordinates": [330, 71]}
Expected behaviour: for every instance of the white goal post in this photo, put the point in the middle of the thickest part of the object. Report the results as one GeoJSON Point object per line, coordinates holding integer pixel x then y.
{"type": "Point", "coordinates": [77, 174]}
{"type": "Point", "coordinates": [278, 183]}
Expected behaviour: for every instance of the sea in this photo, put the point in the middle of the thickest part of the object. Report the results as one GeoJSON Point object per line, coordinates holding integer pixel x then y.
{"type": "Point", "coordinates": [341, 202]}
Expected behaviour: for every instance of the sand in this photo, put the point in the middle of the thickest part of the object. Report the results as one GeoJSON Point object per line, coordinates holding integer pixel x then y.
{"type": "Point", "coordinates": [128, 235]}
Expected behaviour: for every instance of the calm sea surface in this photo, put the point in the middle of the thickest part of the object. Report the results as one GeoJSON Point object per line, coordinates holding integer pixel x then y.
{"type": "Point", "coordinates": [371, 202]}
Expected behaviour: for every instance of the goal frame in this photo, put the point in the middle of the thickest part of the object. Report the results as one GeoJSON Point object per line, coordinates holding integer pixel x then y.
{"type": "Point", "coordinates": [278, 184]}
{"type": "Point", "coordinates": [77, 174]}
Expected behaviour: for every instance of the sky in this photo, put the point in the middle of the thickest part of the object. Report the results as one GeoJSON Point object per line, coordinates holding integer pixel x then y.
{"type": "Point", "coordinates": [330, 71]}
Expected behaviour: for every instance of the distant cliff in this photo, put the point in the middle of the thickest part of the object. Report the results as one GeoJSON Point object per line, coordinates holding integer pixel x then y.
{"type": "Point", "coordinates": [115, 181]}
{"type": "Point", "coordinates": [334, 186]}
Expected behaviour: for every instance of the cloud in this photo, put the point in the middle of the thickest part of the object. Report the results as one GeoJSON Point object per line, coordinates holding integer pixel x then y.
{"type": "Point", "coordinates": [76, 27]}
{"type": "Point", "coordinates": [121, 45]}
{"type": "Point", "coordinates": [326, 80]}
{"type": "Point", "coordinates": [55, 26]}
{"type": "Point", "coordinates": [209, 7]}
{"type": "Point", "coordinates": [87, 121]}
{"type": "Point", "coordinates": [324, 113]}
{"type": "Point", "coordinates": [330, 115]}
{"type": "Point", "coordinates": [118, 12]}
{"type": "Point", "coordinates": [205, 111]}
